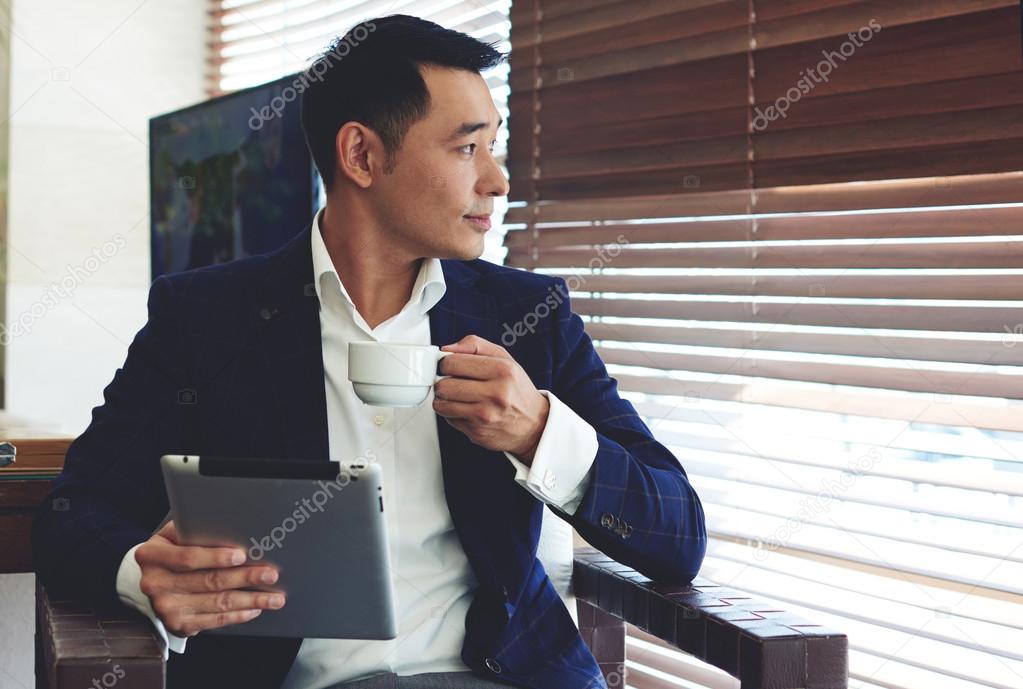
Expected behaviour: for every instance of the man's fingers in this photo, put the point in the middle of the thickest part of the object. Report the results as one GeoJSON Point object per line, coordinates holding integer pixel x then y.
{"type": "Point", "coordinates": [474, 344]}
{"type": "Point", "coordinates": [191, 625]}
{"type": "Point", "coordinates": [193, 588]}
{"type": "Point", "coordinates": [225, 578]}
{"type": "Point", "coordinates": [461, 390]}
{"type": "Point", "coordinates": [455, 410]}
{"type": "Point", "coordinates": [222, 601]}
{"type": "Point", "coordinates": [472, 366]}
{"type": "Point", "coordinates": [187, 558]}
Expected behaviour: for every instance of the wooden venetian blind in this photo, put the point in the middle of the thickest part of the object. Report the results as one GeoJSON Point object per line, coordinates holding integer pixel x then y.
{"type": "Point", "coordinates": [794, 229]}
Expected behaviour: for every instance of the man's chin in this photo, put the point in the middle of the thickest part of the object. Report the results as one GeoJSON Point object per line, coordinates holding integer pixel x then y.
{"type": "Point", "coordinates": [466, 252]}
{"type": "Point", "coordinates": [473, 255]}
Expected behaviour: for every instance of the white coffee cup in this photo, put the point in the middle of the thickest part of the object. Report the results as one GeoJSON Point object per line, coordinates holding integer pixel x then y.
{"type": "Point", "coordinates": [392, 374]}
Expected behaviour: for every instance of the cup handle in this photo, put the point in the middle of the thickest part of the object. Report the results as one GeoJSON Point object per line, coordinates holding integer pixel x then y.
{"type": "Point", "coordinates": [440, 355]}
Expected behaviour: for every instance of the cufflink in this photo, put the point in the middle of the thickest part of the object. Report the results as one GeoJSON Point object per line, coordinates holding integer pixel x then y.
{"type": "Point", "coordinates": [549, 479]}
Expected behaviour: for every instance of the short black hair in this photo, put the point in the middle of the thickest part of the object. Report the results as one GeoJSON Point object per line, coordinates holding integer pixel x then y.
{"type": "Point", "coordinates": [371, 75]}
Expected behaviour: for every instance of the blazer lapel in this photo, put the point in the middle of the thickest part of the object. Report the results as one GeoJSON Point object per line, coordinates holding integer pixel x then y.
{"type": "Point", "coordinates": [468, 471]}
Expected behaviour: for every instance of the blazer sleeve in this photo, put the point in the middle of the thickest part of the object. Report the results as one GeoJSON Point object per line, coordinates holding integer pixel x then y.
{"type": "Point", "coordinates": [110, 496]}
{"type": "Point", "coordinates": [639, 507]}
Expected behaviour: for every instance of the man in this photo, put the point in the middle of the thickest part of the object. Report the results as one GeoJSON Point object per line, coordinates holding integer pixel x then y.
{"type": "Point", "coordinates": [249, 359]}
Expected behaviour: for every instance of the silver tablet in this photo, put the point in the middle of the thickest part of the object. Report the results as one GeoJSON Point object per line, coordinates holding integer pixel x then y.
{"type": "Point", "coordinates": [321, 523]}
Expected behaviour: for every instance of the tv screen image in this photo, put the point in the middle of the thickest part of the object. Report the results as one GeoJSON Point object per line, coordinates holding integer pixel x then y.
{"type": "Point", "coordinates": [229, 178]}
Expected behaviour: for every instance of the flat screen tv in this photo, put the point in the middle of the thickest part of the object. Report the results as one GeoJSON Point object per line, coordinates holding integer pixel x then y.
{"type": "Point", "coordinates": [230, 177]}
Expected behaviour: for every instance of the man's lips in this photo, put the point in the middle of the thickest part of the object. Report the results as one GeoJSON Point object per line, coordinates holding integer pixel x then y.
{"type": "Point", "coordinates": [481, 221]}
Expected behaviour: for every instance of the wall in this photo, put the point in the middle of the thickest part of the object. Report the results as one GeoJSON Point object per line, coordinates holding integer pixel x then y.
{"type": "Point", "coordinates": [86, 79]}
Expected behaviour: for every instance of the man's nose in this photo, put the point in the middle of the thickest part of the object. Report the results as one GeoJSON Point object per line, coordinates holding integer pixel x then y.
{"type": "Point", "coordinates": [494, 182]}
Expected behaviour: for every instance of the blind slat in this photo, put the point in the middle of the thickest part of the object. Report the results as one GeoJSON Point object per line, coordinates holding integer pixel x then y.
{"type": "Point", "coordinates": [923, 192]}
{"type": "Point", "coordinates": [965, 254]}
{"type": "Point", "coordinates": [989, 319]}
{"type": "Point", "coordinates": [719, 453]}
{"type": "Point", "coordinates": [829, 440]}
{"type": "Point", "coordinates": [849, 284]}
{"type": "Point", "coordinates": [918, 377]}
{"type": "Point", "coordinates": [952, 411]}
{"type": "Point", "coordinates": [970, 222]}
{"type": "Point", "coordinates": [985, 352]}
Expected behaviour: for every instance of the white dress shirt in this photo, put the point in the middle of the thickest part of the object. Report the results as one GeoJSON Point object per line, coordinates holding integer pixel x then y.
{"type": "Point", "coordinates": [433, 581]}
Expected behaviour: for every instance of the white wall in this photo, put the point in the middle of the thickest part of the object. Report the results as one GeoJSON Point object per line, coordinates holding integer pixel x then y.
{"type": "Point", "coordinates": [86, 77]}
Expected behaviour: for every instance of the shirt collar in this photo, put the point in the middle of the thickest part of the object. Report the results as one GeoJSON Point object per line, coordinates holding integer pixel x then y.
{"type": "Point", "coordinates": [428, 289]}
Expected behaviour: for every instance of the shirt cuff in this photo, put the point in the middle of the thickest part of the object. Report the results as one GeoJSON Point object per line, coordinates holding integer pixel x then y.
{"type": "Point", "coordinates": [129, 576]}
{"type": "Point", "coordinates": [563, 461]}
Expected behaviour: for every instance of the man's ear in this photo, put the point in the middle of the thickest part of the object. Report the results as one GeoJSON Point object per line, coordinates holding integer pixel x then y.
{"type": "Point", "coordinates": [359, 153]}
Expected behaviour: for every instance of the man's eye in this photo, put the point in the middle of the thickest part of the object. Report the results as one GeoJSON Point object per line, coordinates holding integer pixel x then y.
{"type": "Point", "coordinates": [472, 147]}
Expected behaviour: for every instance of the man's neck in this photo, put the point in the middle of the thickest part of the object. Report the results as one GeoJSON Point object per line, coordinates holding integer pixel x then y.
{"type": "Point", "coordinates": [377, 277]}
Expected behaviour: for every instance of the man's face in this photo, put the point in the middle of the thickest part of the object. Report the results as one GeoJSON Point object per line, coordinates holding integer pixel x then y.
{"type": "Point", "coordinates": [444, 171]}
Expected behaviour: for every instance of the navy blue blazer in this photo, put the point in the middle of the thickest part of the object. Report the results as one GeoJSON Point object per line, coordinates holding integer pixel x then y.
{"type": "Point", "coordinates": [230, 363]}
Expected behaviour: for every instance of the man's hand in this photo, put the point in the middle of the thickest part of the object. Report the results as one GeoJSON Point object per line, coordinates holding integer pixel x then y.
{"type": "Point", "coordinates": [490, 398]}
{"type": "Point", "coordinates": [192, 588]}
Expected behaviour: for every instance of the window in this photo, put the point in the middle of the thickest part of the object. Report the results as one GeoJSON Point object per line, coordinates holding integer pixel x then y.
{"type": "Point", "coordinates": [795, 233]}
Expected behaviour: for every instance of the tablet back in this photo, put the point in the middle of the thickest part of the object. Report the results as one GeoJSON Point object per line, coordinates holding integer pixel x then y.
{"type": "Point", "coordinates": [321, 523]}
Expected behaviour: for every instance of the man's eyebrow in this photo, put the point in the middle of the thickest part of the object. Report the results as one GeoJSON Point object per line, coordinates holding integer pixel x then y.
{"type": "Point", "coordinates": [468, 128]}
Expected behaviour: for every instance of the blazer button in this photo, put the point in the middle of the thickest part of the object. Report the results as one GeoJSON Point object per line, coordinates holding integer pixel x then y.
{"type": "Point", "coordinates": [606, 520]}
{"type": "Point", "coordinates": [494, 666]}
